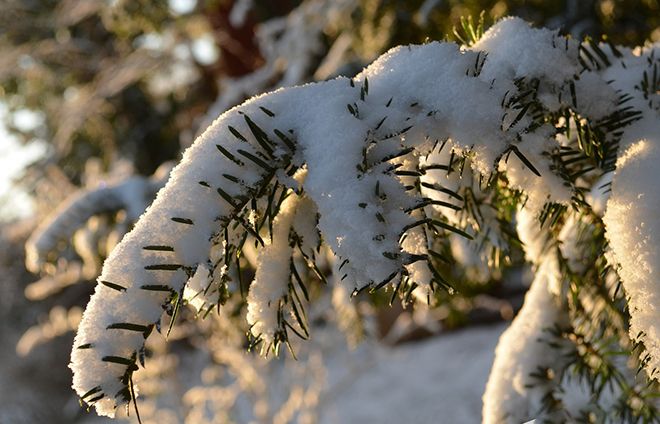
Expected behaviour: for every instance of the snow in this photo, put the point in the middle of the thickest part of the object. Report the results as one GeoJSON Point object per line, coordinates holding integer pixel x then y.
{"type": "Point", "coordinates": [360, 386]}
{"type": "Point", "coordinates": [631, 218]}
{"type": "Point", "coordinates": [633, 231]}
{"type": "Point", "coordinates": [198, 292]}
{"type": "Point", "coordinates": [516, 50]}
{"type": "Point", "coordinates": [529, 231]}
{"type": "Point", "coordinates": [512, 394]}
{"type": "Point", "coordinates": [271, 281]}
{"type": "Point", "coordinates": [350, 385]}
{"type": "Point", "coordinates": [577, 398]}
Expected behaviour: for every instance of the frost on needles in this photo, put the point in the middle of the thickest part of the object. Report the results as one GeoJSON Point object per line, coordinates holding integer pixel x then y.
{"type": "Point", "coordinates": [364, 165]}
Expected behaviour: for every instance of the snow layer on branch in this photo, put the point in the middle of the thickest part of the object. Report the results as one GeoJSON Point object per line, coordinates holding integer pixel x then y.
{"type": "Point", "coordinates": [451, 180]}
{"type": "Point", "coordinates": [145, 269]}
{"type": "Point", "coordinates": [539, 190]}
{"type": "Point", "coordinates": [198, 292]}
{"type": "Point", "coordinates": [633, 231]}
{"type": "Point", "coordinates": [512, 394]}
{"type": "Point", "coordinates": [631, 218]}
{"type": "Point", "coordinates": [516, 50]}
{"type": "Point", "coordinates": [433, 76]}
{"type": "Point", "coordinates": [522, 351]}
{"type": "Point", "coordinates": [271, 282]}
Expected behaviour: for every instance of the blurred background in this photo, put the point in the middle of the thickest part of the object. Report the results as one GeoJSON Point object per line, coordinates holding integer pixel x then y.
{"type": "Point", "coordinates": [97, 96]}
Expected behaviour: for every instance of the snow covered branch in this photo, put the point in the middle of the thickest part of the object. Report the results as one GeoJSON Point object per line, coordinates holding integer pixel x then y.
{"type": "Point", "coordinates": [132, 195]}
{"type": "Point", "coordinates": [367, 147]}
{"type": "Point", "coordinates": [523, 372]}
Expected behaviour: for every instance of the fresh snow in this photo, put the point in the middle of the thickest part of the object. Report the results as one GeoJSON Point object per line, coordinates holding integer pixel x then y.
{"type": "Point", "coordinates": [523, 348]}
{"type": "Point", "coordinates": [270, 283]}
{"type": "Point", "coordinates": [631, 217]}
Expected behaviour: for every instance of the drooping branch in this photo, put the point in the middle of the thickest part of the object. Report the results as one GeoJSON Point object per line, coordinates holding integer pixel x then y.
{"type": "Point", "coordinates": [362, 142]}
{"type": "Point", "coordinates": [522, 379]}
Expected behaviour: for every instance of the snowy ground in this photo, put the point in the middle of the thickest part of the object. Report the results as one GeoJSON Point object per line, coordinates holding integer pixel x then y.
{"type": "Point", "coordinates": [440, 379]}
